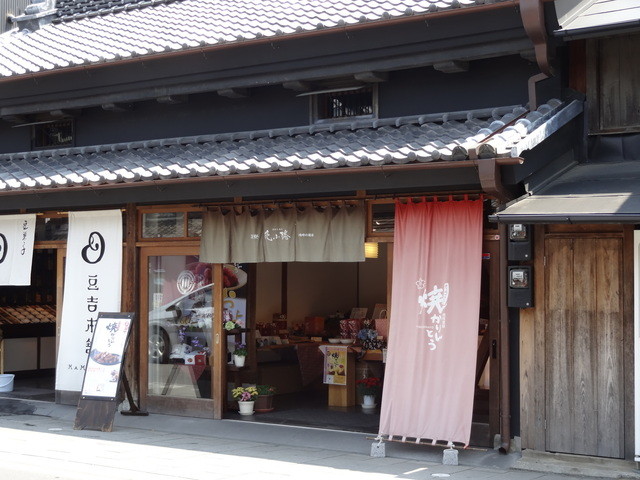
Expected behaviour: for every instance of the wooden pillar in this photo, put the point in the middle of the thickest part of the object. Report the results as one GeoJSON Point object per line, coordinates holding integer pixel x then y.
{"type": "Point", "coordinates": [130, 296]}
{"type": "Point", "coordinates": [218, 360]}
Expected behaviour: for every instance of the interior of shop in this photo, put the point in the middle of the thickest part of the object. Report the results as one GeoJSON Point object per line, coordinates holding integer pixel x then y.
{"type": "Point", "coordinates": [27, 333]}
{"type": "Point", "coordinates": [301, 307]}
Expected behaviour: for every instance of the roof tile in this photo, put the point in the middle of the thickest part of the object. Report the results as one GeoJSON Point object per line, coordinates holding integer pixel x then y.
{"type": "Point", "coordinates": [98, 31]}
{"type": "Point", "coordinates": [365, 143]}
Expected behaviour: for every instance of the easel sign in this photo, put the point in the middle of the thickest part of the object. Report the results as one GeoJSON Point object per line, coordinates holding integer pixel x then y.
{"type": "Point", "coordinates": [102, 376]}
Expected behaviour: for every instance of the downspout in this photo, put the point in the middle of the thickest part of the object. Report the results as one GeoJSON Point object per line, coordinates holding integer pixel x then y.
{"type": "Point", "coordinates": [532, 14]}
{"type": "Point", "coordinates": [505, 393]}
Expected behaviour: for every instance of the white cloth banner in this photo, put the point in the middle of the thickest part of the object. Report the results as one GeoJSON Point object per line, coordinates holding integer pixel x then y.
{"type": "Point", "coordinates": [92, 284]}
{"type": "Point", "coordinates": [16, 248]}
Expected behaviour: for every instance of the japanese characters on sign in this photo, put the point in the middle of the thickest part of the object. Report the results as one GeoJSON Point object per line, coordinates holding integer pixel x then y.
{"type": "Point", "coordinates": [105, 357]}
{"type": "Point", "coordinates": [17, 233]}
{"type": "Point", "coordinates": [93, 277]}
{"type": "Point", "coordinates": [106, 350]}
{"type": "Point", "coordinates": [433, 304]}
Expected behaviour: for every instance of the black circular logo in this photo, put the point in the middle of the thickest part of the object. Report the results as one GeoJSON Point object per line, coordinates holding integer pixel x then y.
{"type": "Point", "coordinates": [94, 250]}
{"type": "Point", "coordinates": [3, 247]}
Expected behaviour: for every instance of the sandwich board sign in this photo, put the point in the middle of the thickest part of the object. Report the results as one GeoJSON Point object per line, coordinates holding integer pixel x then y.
{"type": "Point", "coordinates": [103, 372]}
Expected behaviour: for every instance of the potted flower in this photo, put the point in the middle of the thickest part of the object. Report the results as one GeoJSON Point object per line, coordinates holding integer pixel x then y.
{"type": "Point", "coordinates": [369, 388]}
{"type": "Point", "coordinates": [264, 401]}
{"type": "Point", "coordinates": [246, 398]}
{"type": "Point", "coordinates": [240, 354]}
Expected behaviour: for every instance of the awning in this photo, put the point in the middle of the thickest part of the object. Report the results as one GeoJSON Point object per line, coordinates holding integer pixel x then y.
{"type": "Point", "coordinates": [589, 18]}
{"type": "Point", "coordinates": [607, 192]}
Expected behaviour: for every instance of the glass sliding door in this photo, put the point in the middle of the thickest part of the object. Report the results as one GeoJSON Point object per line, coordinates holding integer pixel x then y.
{"type": "Point", "coordinates": [177, 318]}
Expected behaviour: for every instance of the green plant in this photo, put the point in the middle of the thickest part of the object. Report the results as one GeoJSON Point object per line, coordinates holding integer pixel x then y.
{"type": "Point", "coordinates": [266, 389]}
{"type": "Point", "coordinates": [244, 394]}
{"type": "Point", "coordinates": [369, 386]}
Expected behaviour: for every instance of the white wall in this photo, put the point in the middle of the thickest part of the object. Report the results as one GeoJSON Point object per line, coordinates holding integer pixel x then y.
{"type": "Point", "coordinates": [268, 291]}
{"type": "Point", "coordinates": [20, 354]}
{"type": "Point", "coordinates": [373, 280]}
{"type": "Point", "coordinates": [321, 289]}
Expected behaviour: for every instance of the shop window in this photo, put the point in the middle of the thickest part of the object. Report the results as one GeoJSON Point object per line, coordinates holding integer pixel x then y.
{"type": "Point", "coordinates": [52, 134]}
{"type": "Point", "coordinates": [163, 225]}
{"type": "Point", "coordinates": [180, 223]}
{"type": "Point", "coordinates": [51, 229]}
{"type": "Point", "coordinates": [194, 224]}
{"type": "Point", "coordinates": [344, 103]}
{"type": "Point", "coordinates": [382, 219]}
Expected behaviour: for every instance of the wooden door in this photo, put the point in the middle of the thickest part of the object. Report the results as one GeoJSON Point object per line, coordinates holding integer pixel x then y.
{"type": "Point", "coordinates": [584, 346]}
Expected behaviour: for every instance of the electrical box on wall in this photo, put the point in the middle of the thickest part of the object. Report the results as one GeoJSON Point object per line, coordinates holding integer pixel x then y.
{"type": "Point", "coordinates": [519, 242]}
{"type": "Point", "coordinates": [520, 287]}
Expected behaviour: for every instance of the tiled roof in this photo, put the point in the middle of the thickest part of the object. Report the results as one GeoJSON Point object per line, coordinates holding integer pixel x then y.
{"type": "Point", "coordinates": [118, 29]}
{"type": "Point", "coordinates": [500, 132]}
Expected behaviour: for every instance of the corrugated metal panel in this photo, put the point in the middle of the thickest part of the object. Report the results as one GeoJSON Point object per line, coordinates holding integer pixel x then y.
{"type": "Point", "coordinates": [10, 7]}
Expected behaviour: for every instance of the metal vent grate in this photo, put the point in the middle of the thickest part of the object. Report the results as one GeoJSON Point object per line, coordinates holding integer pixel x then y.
{"type": "Point", "coordinates": [350, 103]}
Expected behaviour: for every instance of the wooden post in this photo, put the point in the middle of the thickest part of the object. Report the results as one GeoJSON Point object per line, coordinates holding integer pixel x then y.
{"type": "Point", "coordinates": [130, 298]}
{"type": "Point", "coordinates": [218, 358]}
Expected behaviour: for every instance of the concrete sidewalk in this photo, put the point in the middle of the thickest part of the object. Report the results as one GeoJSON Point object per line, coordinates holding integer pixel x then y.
{"type": "Point", "coordinates": [40, 435]}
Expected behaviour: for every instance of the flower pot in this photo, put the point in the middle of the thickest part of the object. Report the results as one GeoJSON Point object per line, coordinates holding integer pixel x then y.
{"type": "Point", "coordinates": [246, 408]}
{"type": "Point", "coordinates": [369, 401]}
{"type": "Point", "coordinates": [264, 403]}
{"type": "Point", "coordinates": [238, 360]}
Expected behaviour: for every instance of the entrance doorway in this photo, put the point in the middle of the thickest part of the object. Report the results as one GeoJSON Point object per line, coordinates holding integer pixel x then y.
{"type": "Point", "coordinates": [176, 332]}
{"type": "Point", "coordinates": [28, 330]}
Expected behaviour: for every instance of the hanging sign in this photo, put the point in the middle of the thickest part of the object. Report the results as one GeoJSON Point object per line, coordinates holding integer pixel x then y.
{"type": "Point", "coordinates": [93, 283]}
{"type": "Point", "coordinates": [16, 248]}
{"type": "Point", "coordinates": [284, 235]}
{"type": "Point", "coordinates": [435, 302]}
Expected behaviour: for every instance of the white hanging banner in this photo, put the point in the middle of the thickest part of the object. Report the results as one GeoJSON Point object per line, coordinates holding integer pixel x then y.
{"type": "Point", "coordinates": [16, 248]}
{"type": "Point", "coordinates": [92, 284]}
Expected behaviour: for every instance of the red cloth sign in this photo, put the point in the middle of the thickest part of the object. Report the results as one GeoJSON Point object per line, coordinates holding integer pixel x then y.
{"type": "Point", "coordinates": [435, 301]}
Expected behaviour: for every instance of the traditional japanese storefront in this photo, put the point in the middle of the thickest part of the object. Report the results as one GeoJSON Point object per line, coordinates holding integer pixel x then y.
{"type": "Point", "coordinates": [164, 277]}
{"type": "Point", "coordinates": [294, 110]}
